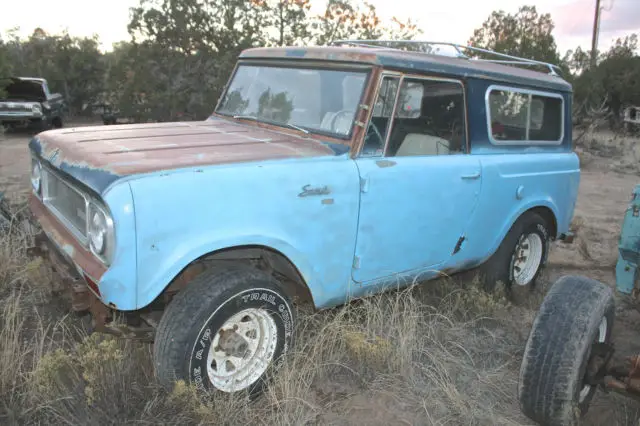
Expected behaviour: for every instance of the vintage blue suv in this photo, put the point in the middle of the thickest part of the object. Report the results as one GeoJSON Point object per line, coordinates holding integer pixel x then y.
{"type": "Point", "coordinates": [324, 173]}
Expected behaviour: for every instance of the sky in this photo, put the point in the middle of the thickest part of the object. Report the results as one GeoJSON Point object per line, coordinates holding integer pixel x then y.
{"type": "Point", "coordinates": [441, 20]}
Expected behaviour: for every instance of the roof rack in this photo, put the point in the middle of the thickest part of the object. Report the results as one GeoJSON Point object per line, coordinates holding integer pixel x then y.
{"type": "Point", "coordinates": [459, 48]}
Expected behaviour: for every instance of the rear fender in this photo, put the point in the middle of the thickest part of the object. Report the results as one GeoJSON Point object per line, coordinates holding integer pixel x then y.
{"type": "Point", "coordinates": [516, 214]}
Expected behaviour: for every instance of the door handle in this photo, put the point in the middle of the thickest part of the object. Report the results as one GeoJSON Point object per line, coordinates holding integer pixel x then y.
{"type": "Point", "coordinates": [474, 175]}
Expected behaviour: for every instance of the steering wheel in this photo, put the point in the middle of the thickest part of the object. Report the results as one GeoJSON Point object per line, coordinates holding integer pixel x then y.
{"type": "Point", "coordinates": [334, 120]}
{"type": "Point", "coordinates": [373, 145]}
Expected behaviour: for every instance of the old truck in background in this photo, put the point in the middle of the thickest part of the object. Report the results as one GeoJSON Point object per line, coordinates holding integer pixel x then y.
{"type": "Point", "coordinates": [27, 102]}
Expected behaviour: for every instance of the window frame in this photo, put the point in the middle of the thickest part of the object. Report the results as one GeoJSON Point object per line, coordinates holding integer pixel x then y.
{"type": "Point", "coordinates": [530, 92]}
{"type": "Point", "coordinates": [395, 106]}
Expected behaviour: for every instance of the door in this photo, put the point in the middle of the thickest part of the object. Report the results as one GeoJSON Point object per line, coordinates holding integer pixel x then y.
{"type": "Point", "coordinates": [419, 187]}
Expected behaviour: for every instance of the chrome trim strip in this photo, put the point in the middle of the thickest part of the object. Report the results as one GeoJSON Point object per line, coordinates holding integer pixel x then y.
{"type": "Point", "coordinates": [46, 201]}
{"type": "Point", "coordinates": [530, 93]}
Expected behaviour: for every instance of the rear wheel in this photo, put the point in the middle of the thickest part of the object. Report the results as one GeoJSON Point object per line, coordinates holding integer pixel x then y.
{"type": "Point", "coordinates": [520, 258]}
{"type": "Point", "coordinates": [576, 315]}
{"type": "Point", "coordinates": [226, 331]}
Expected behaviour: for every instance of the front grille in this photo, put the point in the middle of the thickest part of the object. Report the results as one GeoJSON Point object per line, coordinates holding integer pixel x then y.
{"type": "Point", "coordinates": [64, 201]}
{"type": "Point", "coordinates": [15, 107]}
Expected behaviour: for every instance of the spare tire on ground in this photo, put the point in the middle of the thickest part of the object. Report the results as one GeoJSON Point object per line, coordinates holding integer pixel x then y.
{"type": "Point", "coordinates": [576, 315]}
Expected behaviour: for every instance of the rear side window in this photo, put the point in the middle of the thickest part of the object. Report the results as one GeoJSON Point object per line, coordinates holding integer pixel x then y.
{"type": "Point", "coordinates": [517, 116]}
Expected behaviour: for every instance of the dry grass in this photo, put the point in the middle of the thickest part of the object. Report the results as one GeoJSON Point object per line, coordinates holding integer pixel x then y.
{"type": "Point", "coordinates": [429, 355]}
{"type": "Point", "coordinates": [443, 353]}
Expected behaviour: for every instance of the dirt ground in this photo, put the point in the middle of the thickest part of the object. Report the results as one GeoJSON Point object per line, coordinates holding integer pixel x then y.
{"type": "Point", "coordinates": [607, 179]}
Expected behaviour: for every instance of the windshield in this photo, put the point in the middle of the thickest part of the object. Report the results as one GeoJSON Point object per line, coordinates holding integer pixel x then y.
{"type": "Point", "coordinates": [317, 100]}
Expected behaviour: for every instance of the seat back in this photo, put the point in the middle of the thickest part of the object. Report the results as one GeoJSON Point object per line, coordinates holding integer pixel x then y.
{"type": "Point", "coordinates": [420, 144]}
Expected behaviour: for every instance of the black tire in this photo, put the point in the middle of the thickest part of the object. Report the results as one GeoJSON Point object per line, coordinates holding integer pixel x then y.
{"type": "Point", "coordinates": [500, 266]}
{"type": "Point", "coordinates": [558, 350]}
{"type": "Point", "coordinates": [56, 122]}
{"type": "Point", "coordinates": [189, 325]}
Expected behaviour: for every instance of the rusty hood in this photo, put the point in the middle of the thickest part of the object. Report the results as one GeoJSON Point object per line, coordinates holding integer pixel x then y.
{"type": "Point", "coordinates": [99, 155]}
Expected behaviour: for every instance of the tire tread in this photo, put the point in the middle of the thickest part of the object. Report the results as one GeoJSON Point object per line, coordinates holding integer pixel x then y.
{"type": "Point", "coordinates": [558, 344]}
{"type": "Point", "coordinates": [206, 289]}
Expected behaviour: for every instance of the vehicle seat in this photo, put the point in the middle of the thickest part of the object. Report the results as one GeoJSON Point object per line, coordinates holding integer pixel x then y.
{"type": "Point", "coordinates": [420, 144]}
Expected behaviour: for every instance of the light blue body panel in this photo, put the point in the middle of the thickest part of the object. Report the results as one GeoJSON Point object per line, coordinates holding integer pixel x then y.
{"type": "Point", "coordinates": [183, 215]}
{"type": "Point", "coordinates": [118, 284]}
{"type": "Point", "coordinates": [378, 221]}
{"type": "Point", "coordinates": [513, 184]}
{"type": "Point", "coordinates": [629, 246]}
{"type": "Point", "coordinates": [413, 211]}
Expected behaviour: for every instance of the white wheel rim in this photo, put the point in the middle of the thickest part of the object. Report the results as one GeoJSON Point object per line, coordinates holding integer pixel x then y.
{"type": "Point", "coordinates": [242, 350]}
{"type": "Point", "coordinates": [527, 258]}
{"type": "Point", "coordinates": [600, 338]}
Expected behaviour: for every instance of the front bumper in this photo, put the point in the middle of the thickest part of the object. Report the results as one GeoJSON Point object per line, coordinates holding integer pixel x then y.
{"type": "Point", "coordinates": [82, 295]}
{"type": "Point", "coordinates": [23, 119]}
{"type": "Point", "coordinates": [80, 273]}
{"type": "Point", "coordinates": [59, 250]}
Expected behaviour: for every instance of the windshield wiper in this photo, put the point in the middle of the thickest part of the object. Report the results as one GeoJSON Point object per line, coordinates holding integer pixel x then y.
{"type": "Point", "coordinates": [292, 126]}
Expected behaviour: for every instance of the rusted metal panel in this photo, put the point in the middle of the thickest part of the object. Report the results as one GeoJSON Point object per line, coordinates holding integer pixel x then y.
{"type": "Point", "coordinates": [364, 114]}
{"type": "Point", "coordinates": [625, 377]}
{"type": "Point", "coordinates": [117, 151]}
{"type": "Point", "coordinates": [328, 53]}
{"type": "Point", "coordinates": [76, 287]}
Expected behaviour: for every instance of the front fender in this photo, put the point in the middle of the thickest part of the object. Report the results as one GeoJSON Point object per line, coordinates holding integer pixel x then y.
{"type": "Point", "coordinates": [158, 277]}
{"type": "Point", "coordinates": [183, 215]}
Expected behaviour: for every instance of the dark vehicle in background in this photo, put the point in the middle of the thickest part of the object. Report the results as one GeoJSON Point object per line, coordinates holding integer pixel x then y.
{"type": "Point", "coordinates": [27, 102]}
{"type": "Point", "coordinates": [136, 113]}
{"type": "Point", "coordinates": [109, 114]}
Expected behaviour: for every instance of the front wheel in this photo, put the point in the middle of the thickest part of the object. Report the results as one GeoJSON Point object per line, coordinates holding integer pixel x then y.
{"type": "Point", "coordinates": [226, 331]}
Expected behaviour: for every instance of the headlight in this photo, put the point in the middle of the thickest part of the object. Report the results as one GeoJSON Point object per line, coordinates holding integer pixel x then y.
{"type": "Point", "coordinates": [100, 232]}
{"type": "Point", "coordinates": [36, 109]}
{"type": "Point", "coordinates": [36, 175]}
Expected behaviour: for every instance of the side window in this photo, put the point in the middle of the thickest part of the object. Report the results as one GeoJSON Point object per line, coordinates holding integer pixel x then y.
{"type": "Point", "coordinates": [522, 117]}
{"type": "Point", "coordinates": [380, 117]}
{"type": "Point", "coordinates": [429, 120]}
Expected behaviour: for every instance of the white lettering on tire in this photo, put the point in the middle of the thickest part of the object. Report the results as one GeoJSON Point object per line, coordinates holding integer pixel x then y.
{"type": "Point", "coordinates": [265, 295]}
